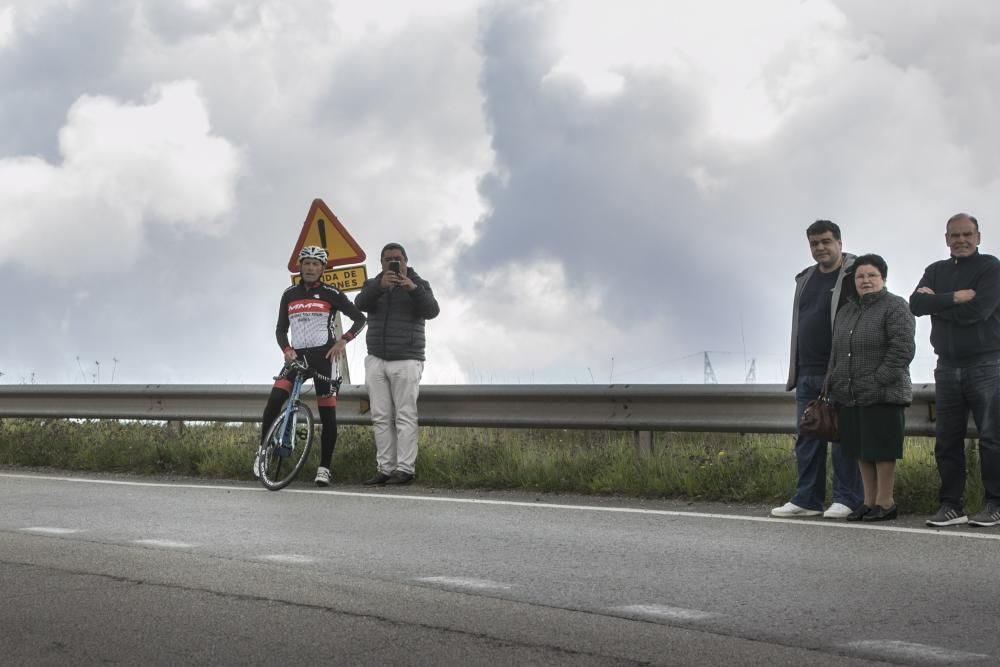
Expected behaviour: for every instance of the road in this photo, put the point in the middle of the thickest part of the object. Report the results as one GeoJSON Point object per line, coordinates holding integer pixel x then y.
{"type": "Point", "coordinates": [126, 570]}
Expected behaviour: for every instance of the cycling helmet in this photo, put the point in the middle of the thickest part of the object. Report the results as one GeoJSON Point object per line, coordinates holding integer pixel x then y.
{"type": "Point", "coordinates": [313, 252]}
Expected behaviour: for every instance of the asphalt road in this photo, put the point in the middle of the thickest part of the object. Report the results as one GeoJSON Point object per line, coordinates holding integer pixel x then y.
{"type": "Point", "coordinates": [124, 570]}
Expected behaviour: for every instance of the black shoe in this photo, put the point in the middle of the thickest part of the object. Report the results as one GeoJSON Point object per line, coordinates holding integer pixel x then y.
{"type": "Point", "coordinates": [859, 513]}
{"type": "Point", "coordinates": [948, 516]}
{"type": "Point", "coordinates": [880, 513]}
{"type": "Point", "coordinates": [988, 516]}
{"type": "Point", "coordinates": [399, 478]}
{"type": "Point", "coordinates": [379, 479]}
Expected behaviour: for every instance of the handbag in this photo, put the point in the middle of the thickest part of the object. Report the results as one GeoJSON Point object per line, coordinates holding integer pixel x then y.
{"type": "Point", "coordinates": [819, 419]}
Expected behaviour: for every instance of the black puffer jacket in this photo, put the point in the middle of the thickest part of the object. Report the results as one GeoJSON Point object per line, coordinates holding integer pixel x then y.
{"type": "Point", "coordinates": [872, 349]}
{"type": "Point", "coordinates": [396, 317]}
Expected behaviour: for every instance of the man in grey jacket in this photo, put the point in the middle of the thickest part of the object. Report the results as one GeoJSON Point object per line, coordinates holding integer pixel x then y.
{"type": "Point", "coordinates": [397, 302]}
{"type": "Point", "coordinates": [820, 290]}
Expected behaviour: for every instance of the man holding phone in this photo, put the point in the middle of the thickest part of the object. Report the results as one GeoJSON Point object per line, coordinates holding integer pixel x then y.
{"type": "Point", "coordinates": [398, 302]}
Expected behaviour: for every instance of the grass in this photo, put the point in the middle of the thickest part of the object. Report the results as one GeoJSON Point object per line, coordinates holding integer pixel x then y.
{"type": "Point", "coordinates": [750, 468]}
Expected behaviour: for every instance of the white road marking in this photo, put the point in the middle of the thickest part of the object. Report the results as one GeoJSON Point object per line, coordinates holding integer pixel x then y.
{"type": "Point", "coordinates": [52, 530]}
{"type": "Point", "coordinates": [167, 544]}
{"type": "Point", "coordinates": [983, 534]}
{"type": "Point", "coordinates": [459, 582]}
{"type": "Point", "coordinates": [663, 611]}
{"type": "Point", "coordinates": [909, 651]}
{"type": "Point", "coordinates": [292, 559]}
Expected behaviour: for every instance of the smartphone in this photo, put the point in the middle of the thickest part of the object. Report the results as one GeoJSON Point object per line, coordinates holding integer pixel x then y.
{"type": "Point", "coordinates": [394, 266]}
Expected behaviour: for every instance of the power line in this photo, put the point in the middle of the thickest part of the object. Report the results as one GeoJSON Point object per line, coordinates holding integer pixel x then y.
{"type": "Point", "coordinates": [665, 362]}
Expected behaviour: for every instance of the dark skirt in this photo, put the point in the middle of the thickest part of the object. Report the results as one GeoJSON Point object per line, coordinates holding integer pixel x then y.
{"type": "Point", "coordinates": [872, 432]}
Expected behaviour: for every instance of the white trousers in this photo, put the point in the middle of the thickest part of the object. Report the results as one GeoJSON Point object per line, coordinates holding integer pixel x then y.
{"type": "Point", "coordinates": [393, 387]}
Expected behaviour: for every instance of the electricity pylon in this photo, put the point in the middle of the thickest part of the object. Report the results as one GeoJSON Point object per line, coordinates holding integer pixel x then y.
{"type": "Point", "coordinates": [709, 372]}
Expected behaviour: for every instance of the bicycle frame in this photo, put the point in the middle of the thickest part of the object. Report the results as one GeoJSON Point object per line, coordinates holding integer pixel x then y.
{"type": "Point", "coordinates": [286, 420]}
{"type": "Point", "coordinates": [286, 446]}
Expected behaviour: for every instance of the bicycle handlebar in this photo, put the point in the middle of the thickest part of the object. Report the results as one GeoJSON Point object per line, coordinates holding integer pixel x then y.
{"type": "Point", "coordinates": [301, 366]}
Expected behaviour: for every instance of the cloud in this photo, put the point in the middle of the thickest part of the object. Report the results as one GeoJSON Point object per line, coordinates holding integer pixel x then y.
{"type": "Point", "coordinates": [42, 72]}
{"type": "Point", "coordinates": [306, 100]}
{"type": "Point", "coordinates": [579, 184]}
{"type": "Point", "coordinates": [663, 218]}
{"type": "Point", "coordinates": [124, 167]}
{"type": "Point", "coordinates": [6, 26]}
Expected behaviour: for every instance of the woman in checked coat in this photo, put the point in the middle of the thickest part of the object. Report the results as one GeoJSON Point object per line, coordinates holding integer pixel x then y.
{"type": "Point", "coordinates": [869, 379]}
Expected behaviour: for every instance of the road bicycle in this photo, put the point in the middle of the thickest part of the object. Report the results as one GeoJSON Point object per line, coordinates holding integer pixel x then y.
{"type": "Point", "coordinates": [286, 446]}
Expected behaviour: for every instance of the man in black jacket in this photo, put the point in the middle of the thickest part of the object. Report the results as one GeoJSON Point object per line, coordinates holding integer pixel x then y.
{"type": "Point", "coordinates": [397, 301]}
{"type": "Point", "coordinates": [962, 296]}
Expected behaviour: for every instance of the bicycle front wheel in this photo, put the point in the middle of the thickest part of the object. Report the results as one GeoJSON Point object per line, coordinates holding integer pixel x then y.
{"type": "Point", "coordinates": [286, 447]}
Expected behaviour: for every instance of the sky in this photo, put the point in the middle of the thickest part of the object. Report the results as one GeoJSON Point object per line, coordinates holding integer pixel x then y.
{"type": "Point", "coordinates": [597, 192]}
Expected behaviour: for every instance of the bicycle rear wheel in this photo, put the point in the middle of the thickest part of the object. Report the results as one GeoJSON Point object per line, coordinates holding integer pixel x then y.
{"type": "Point", "coordinates": [286, 447]}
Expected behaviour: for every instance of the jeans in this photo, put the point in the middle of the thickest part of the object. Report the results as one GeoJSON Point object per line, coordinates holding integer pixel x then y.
{"type": "Point", "coordinates": [810, 455]}
{"type": "Point", "coordinates": [957, 392]}
{"type": "Point", "coordinates": [393, 387]}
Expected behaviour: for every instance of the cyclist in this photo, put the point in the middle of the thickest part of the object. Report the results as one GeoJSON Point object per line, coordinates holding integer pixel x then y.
{"type": "Point", "coordinates": [306, 315]}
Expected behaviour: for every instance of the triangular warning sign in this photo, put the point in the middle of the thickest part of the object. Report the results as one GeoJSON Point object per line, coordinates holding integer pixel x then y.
{"type": "Point", "coordinates": [323, 229]}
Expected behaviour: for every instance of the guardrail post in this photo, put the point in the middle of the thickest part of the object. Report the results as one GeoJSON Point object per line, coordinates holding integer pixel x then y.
{"type": "Point", "coordinates": [643, 444]}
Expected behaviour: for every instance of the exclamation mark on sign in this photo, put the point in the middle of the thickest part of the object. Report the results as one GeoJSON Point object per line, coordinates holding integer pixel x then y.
{"type": "Point", "coordinates": [322, 232]}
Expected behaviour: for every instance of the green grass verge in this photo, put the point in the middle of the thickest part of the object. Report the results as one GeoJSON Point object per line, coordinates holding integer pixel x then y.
{"type": "Point", "coordinates": [738, 468]}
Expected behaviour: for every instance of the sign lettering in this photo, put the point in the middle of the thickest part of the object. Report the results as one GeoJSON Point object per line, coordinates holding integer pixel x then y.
{"type": "Point", "coordinates": [349, 279]}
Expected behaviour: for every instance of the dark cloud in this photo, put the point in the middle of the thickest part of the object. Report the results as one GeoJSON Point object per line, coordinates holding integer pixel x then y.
{"type": "Point", "coordinates": [605, 186]}
{"type": "Point", "coordinates": [695, 237]}
{"type": "Point", "coordinates": [175, 22]}
{"type": "Point", "coordinates": [410, 84]}
{"type": "Point", "coordinates": [69, 52]}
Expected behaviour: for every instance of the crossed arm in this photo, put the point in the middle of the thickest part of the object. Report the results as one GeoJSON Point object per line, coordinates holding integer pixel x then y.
{"type": "Point", "coordinates": [964, 307]}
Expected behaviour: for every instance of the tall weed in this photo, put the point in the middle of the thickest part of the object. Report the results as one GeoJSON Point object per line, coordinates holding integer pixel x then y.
{"type": "Point", "coordinates": [744, 468]}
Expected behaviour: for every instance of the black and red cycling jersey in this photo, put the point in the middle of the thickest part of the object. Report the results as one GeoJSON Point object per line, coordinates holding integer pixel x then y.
{"type": "Point", "coordinates": [306, 316]}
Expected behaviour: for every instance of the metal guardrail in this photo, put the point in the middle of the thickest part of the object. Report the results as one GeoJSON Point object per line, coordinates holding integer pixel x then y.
{"type": "Point", "coordinates": [700, 408]}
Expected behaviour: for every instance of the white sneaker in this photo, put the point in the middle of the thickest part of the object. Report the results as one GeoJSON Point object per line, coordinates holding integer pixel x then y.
{"type": "Point", "coordinates": [837, 511]}
{"type": "Point", "coordinates": [256, 467]}
{"type": "Point", "coordinates": [322, 476]}
{"type": "Point", "coordinates": [792, 510]}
